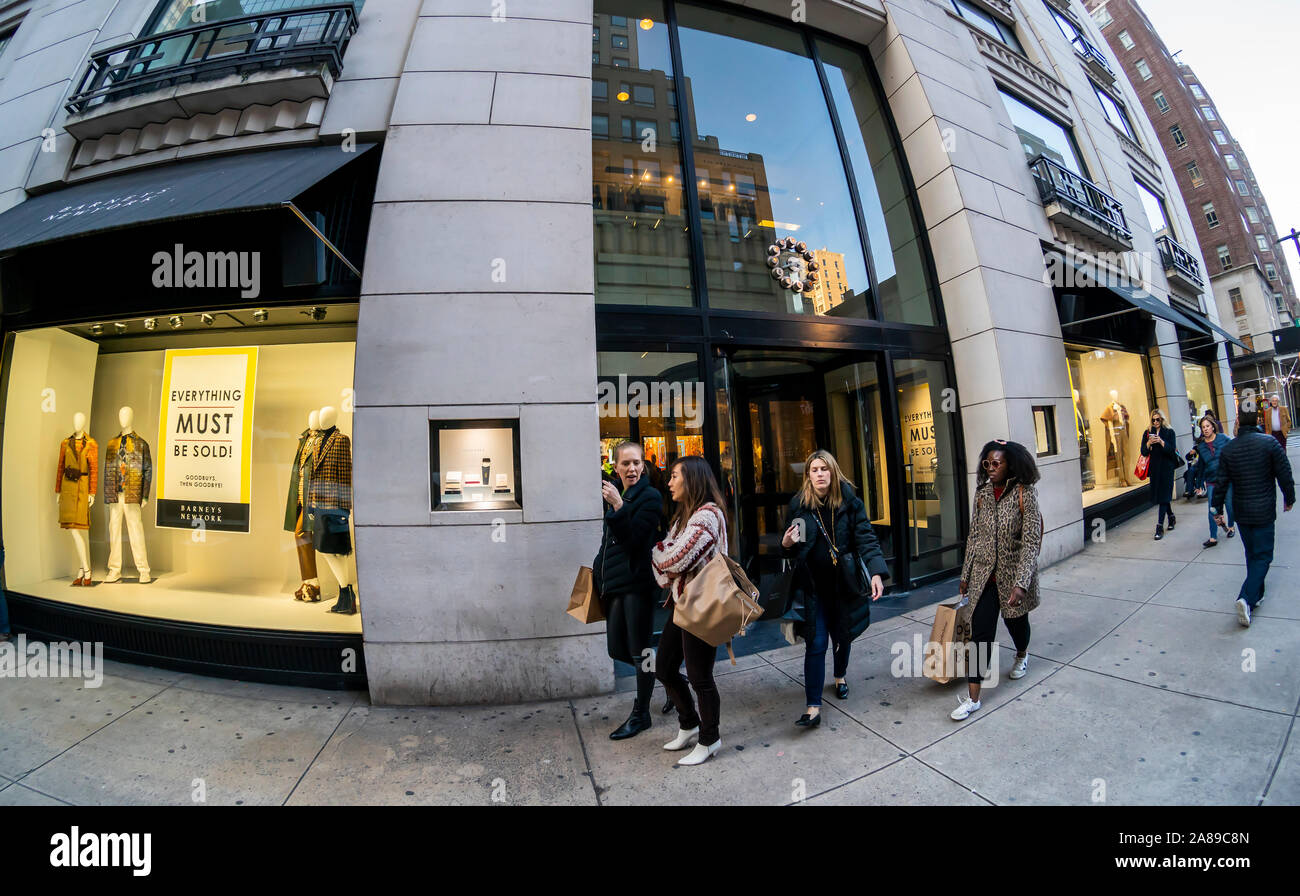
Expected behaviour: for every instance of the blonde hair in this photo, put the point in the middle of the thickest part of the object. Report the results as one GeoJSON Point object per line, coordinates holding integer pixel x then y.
{"type": "Point", "coordinates": [808, 494]}
{"type": "Point", "coordinates": [626, 443]}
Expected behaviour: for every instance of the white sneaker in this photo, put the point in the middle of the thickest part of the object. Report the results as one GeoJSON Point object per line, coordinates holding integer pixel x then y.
{"type": "Point", "coordinates": [701, 753]}
{"type": "Point", "coordinates": [115, 577]}
{"type": "Point", "coordinates": [683, 739]}
{"type": "Point", "coordinates": [964, 708]}
{"type": "Point", "coordinates": [1243, 612]}
{"type": "Point", "coordinates": [1020, 668]}
{"type": "Point", "coordinates": [144, 578]}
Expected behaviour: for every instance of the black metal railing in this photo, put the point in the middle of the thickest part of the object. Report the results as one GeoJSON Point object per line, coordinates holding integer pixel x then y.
{"type": "Point", "coordinates": [1174, 256]}
{"type": "Point", "coordinates": [1056, 183]}
{"type": "Point", "coordinates": [269, 40]}
{"type": "Point", "coordinates": [1090, 53]}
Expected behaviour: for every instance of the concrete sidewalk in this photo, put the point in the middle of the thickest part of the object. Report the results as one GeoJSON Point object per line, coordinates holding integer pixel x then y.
{"type": "Point", "coordinates": [1142, 689]}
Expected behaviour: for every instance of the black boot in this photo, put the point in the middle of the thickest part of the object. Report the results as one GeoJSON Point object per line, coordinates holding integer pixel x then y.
{"type": "Point", "coordinates": [637, 722]}
{"type": "Point", "coordinates": [347, 603]}
{"type": "Point", "coordinates": [1172, 521]}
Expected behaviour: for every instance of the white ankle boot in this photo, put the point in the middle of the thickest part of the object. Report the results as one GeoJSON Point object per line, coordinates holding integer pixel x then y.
{"type": "Point", "coordinates": [683, 739]}
{"type": "Point", "coordinates": [701, 753]}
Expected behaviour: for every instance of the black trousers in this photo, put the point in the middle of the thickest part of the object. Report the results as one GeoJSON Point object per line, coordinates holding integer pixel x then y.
{"type": "Point", "coordinates": [984, 629]}
{"type": "Point", "coordinates": [629, 626]}
{"type": "Point", "coordinates": [674, 645]}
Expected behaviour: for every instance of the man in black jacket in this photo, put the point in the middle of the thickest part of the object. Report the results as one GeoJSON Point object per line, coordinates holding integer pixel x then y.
{"type": "Point", "coordinates": [1251, 463]}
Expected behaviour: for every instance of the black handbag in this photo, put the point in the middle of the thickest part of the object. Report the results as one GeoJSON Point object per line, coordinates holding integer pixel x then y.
{"type": "Point", "coordinates": [780, 595]}
{"type": "Point", "coordinates": [329, 532]}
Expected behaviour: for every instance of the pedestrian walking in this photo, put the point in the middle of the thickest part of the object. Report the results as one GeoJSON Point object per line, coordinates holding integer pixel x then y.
{"type": "Point", "coordinates": [1161, 446]}
{"type": "Point", "coordinates": [829, 531]}
{"type": "Point", "coordinates": [1000, 571]}
{"type": "Point", "coordinates": [1251, 465]}
{"type": "Point", "coordinates": [697, 531]}
{"type": "Point", "coordinates": [1277, 421]}
{"type": "Point", "coordinates": [1208, 450]}
{"type": "Point", "coordinates": [624, 577]}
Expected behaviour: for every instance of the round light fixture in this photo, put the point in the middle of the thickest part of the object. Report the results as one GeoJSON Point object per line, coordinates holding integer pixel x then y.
{"type": "Point", "coordinates": [646, 24]}
{"type": "Point", "coordinates": [622, 96]}
{"type": "Point", "coordinates": [260, 315]}
{"type": "Point", "coordinates": [151, 323]}
{"type": "Point", "coordinates": [96, 329]}
{"type": "Point", "coordinates": [119, 327]}
{"type": "Point", "coordinates": [176, 321]}
{"type": "Point", "coordinates": [751, 117]}
{"type": "Point", "coordinates": [207, 319]}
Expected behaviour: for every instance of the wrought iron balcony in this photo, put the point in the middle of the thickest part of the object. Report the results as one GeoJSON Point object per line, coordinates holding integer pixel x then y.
{"type": "Point", "coordinates": [1091, 54]}
{"type": "Point", "coordinates": [1181, 267]}
{"type": "Point", "coordinates": [1078, 204]}
{"type": "Point", "coordinates": [313, 35]}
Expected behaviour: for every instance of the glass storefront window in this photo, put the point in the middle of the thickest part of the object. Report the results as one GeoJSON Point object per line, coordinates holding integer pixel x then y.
{"type": "Point", "coordinates": [892, 226]}
{"type": "Point", "coordinates": [927, 416]}
{"type": "Point", "coordinates": [475, 465]}
{"type": "Point", "coordinates": [642, 249]}
{"type": "Point", "coordinates": [1112, 401]}
{"type": "Point", "coordinates": [1200, 393]}
{"type": "Point", "coordinates": [192, 435]}
{"type": "Point", "coordinates": [745, 79]}
{"type": "Point", "coordinates": [655, 398]}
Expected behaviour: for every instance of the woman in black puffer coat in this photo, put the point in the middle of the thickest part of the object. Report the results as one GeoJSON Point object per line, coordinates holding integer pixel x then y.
{"type": "Point", "coordinates": [623, 576]}
{"type": "Point", "coordinates": [1160, 444]}
{"type": "Point", "coordinates": [836, 533]}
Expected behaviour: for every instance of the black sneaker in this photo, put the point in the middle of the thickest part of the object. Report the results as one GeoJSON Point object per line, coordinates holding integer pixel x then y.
{"type": "Point", "coordinates": [1172, 522]}
{"type": "Point", "coordinates": [1160, 532]}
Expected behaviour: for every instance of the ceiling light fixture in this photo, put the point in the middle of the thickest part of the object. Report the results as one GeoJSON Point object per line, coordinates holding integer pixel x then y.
{"type": "Point", "coordinates": [96, 329]}
{"type": "Point", "coordinates": [120, 327]}
{"type": "Point", "coordinates": [176, 321]}
{"type": "Point", "coordinates": [316, 313]}
{"type": "Point", "coordinates": [260, 315]}
{"type": "Point", "coordinates": [207, 319]}
{"type": "Point", "coordinates": [151, 323]}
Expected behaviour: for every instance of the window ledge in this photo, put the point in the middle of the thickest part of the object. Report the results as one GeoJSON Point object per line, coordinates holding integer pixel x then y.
{"type": "Point", "coordinates": [1018, 70]}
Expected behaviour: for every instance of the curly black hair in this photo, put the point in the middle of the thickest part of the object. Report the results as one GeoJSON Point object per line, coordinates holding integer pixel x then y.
{"type": "Point", "coordinates": [1022, 466]}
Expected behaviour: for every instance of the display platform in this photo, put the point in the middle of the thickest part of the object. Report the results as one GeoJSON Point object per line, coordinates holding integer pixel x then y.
{"type": "Point", "coordinates": [231, 603]}
{"type": "Point", "coordinates": [1106, 493]}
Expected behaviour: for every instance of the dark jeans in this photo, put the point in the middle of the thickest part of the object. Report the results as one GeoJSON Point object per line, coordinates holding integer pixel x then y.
{"type": "Point", "coordinates": [984, 630]}
{"type": "Point", "coordinates": [1258, 543]}
{"type": "Point", "coordinates": [1227, 509]}
{"type": "Point", "coordinates": [674, 645]}
{"type": "Point", "coordinates": [4, 615]}
{"type": "Point", "coordinates": [814, 658]}
{"type": "Point", "coordinates": [1165, 510]}
{"type": "Point", "coordinates": [629, 625]}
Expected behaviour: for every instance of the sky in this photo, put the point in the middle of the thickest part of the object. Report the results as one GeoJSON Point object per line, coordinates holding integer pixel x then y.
{"type": "Point", "coordinates": [1246, 60]}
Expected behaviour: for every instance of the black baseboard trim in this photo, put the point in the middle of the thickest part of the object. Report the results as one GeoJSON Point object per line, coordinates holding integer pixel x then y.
{"type": "Point", "coordinates": [300, 659]}
{"type": "Point", "coordinates": [1116, 510]}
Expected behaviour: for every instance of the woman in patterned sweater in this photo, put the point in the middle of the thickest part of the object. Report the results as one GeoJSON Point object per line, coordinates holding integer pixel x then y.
{"type": "Point", "coordinates": [697, 532]}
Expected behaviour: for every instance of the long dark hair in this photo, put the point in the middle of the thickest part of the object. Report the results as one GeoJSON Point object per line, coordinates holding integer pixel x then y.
{"type": "Point", "coordinates": [1021, 465]}
{"type": "Point", "coordinates": [701, 488]}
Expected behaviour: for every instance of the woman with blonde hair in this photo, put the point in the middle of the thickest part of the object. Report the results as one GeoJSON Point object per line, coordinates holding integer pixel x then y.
{"type": "Point", "coordinates": [1160, 444]}
{"type": "Point", "coordinates": [828, 537]}
{"type": "Point", "coordinates": [697, 532]}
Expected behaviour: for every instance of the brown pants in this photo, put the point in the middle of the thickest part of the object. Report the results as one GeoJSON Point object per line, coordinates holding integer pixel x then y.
{"type": "Point", "coordinates": [306, 552]}
{"type": "Point", "coordinates": [1280, 438]}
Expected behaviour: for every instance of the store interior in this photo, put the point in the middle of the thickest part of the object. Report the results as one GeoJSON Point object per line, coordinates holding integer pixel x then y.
{"type": "Point", "coordinates": [238, 579]}
{"type": "Point", "coordinates": [1112, 403]}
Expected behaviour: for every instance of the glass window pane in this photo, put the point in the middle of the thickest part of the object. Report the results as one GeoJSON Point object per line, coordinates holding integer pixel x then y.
{"type": "Point", "coordinates": [1111, 401]}
{"type": "Point", "coordinates": [180, 14]}
{"type": "Point", "coordinates": [747, 79]}
{"type": "Point", "coordinates": [1155, 210]}
{"type": "Point", "coordinates": [642, 250]}
{"type": "Point", "coordinates": [859, 441]}
{"type": "Point", "coordinates": [930, 465]}
{"type": "Point", "coordinates": [892, 229]}
{"type": "Point", "coordinates": [656, 398]}
{"type": "Point", "coordinates": [1040, 135]}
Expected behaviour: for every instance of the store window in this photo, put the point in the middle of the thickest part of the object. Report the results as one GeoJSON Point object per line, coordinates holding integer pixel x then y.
{"type": "Point", "coordinates": [1200, 393]}
{"type": "Point", "coordinates": [1112, 398]}
{"type": "Point", "coordinates": [655, 398]}
{"type": "Point", "coordinates": [803, 193]}
{"type": "Point", "coordinates": [1042, 136]}
{"type": "Point", "coordinates": [927, 417]}
{"type": "Point", "coordinates": [474, 465]}
{"type": "Point", "coordinates": [1045, 430]}
{"type": "Point", "coordinates": [201, 464]}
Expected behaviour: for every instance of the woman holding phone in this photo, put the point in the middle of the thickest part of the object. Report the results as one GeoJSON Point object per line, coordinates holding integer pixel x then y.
{"type": "Point", "coordinates": [829, 532]}
{"type": "Point", "coordinates": [1160, 444]}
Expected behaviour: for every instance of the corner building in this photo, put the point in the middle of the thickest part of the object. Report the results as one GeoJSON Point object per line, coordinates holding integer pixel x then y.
{"type": "Point", "coordinates": [891, 229]}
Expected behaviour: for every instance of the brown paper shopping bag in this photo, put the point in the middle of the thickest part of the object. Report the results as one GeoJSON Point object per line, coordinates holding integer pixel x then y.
{"type": "Point", "coordinates": [948, 635]}
{"type": "Point", "coordinates": [584, 605]}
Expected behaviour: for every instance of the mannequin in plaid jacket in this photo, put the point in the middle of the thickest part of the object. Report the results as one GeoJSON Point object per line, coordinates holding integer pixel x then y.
{"type": "Point", "coordinates": [329, 487]}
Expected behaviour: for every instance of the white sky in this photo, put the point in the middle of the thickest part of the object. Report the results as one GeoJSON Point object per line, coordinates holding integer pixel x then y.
{"type": "Point", "coordinates": [1247, 55]}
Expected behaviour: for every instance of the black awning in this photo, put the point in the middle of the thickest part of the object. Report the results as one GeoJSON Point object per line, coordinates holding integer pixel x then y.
{"type": "Point", "coordinates": [1224, 333]}
{"type": "Point", "coordinates": [1150, 304]}
{"type": "Point", "coordinates": [1134, 296]}
{"type": "Point", "coordinates": [218, 185]}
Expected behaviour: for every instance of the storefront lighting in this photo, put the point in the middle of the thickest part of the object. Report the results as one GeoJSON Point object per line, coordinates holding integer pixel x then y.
{"type": "Point", "coordinates": [731, 187]}
{"type": "Point", "coordinates": [622, 96]}
{"type": "Point", "coordinates": [646, 24]}
{"type": "Point", "coordinates": [119, 327]}
{"type": "Point", "coordinates": [316, 313]}
{"type": "Point", "coordinates": [207, 319]}
{"type": "Point", "coordinates": [151, 323]}
{"type": "Point", "coordinates": [260, 315]}
{"type": "Point", "coordinates": [176, 321]}
{"type": "Point", "coordinates": [96, 329]}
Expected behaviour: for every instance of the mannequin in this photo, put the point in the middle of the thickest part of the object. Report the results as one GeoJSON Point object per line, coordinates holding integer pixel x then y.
{"type": "Point", "coordinates": [294, 512]}
{"type": "Point", "coordinates": [1081, 430]}
{"type": "Point", "coordinates": [1116, 419]}
{"type": "Point", "coordinates": [330, 488]}
{"type": "Point", "coordinates": [128, 470]}
{"type": "Point", "coordinates": [75, 483]}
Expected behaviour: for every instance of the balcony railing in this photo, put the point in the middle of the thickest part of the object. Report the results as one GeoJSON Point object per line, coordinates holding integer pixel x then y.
{"type": "Point", "coordinates": [1176, 258]}
{"type": "Point", "coordinates": [1080, 196]}
{"type": "Point", "coordinates": [1091, 54]}
{"type": "Point", "coordinates": [306, 36]}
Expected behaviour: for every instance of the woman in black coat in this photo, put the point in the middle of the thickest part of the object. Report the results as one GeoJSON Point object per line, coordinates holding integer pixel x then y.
{"type": "Point", "coordinates": [1160, 444]}
{"type": "Point", "coordinates": [829, 533]}
{"type": "Point", "coordinates": [624, 577]}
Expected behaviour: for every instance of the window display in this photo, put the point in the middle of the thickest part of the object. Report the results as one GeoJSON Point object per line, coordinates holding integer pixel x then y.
{"type": "Point", "coordinates": [1112, 396]}
{"type": "Point", "coordinates": [1200, 392]}
{"type": "Point", "coordinates": [476, 465]}
{"type": "Point", "coordinates": [203, 507]}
